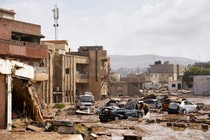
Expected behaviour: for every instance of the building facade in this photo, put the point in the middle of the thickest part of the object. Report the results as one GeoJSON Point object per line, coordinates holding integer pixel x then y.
{"type": "Point", "coordinates": [201, 85]}
{"type": "Point", "coordinates": [96, 68]}
{"type": "Point", "coordinates": [73, 73]}
{"type": "Point", "coordinates": [167, 71]}
{"type": "Point", "coordinates": [20, 42]}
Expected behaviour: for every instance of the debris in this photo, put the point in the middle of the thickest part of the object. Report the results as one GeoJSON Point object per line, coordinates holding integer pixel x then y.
{"type": "Point", "coordinates": [131, 137]}
{"type": "Point", "coordinates": [63, 123]}
{"type": "Point", "coordinates": [86, 112]}
{"type": "Point", "coordinates": [66, 130]}
{"type": "Point", "coordinates": [104, 137]}
{"type": "Point", "coordinates": [82, 129]}
{"type": "Point", "coordinates": [169, 124]}
{"type": "Point", "coordinates": [205, 126]}
{"type": "Point", "coordinates": [182, 125]}
{"type": "Point", "coordinates": [34, 128]}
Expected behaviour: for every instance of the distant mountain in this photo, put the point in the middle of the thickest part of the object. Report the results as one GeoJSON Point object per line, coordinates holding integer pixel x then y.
{"type": "Point", "coordinates": [143, 61]}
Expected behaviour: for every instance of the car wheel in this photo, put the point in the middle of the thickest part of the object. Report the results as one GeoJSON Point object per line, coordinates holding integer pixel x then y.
{"type": "Point", "coordinates": [103, 120]}
{"type": "Point", "coordinates": [117, 118]}
{"type": "Point", "coordinates": [140, 115]}
{"type": "Point", "coordinates": [184, 111]}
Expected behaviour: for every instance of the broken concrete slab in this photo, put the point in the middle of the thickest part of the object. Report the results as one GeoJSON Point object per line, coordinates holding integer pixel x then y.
{"type": "Point", "coordinates": [63, 123]}
{"type": "Point", "coordinates": [34, 128]}
{"type": "Point", "coordinates": [66, 130]}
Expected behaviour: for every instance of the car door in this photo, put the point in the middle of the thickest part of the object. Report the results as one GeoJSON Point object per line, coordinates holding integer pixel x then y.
{"type": "Point", "coordinates": [189, 106]}
{"type": "Point", "coordinates": [131, 112]}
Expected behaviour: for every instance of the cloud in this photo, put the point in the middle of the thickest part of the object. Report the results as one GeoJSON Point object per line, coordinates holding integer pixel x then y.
{"type": "Point", "coordinates": [163, 27]}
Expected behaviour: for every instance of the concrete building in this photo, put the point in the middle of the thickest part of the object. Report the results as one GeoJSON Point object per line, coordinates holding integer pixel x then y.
{"type": "Point", "coordinates": [19, 44]}
{"type": "Point", "coordinates": [201, 85]}
{"type": "Point", "coordinates": [118, 88]}
{"type": "Point", "coordinates": [92, 65]}
{"type": "Point", "coordinates": [205, 65]}
{"type": "Point", "coordinates": [167, 71]}
{"type": "Point", "coordinates": [174, 85]}
{"type": "Point", "coordinates": [57, 50]}
{"type": "Point", "coordinates": [9, 14]}
{"type": "Point", "coordinates": [74, 73]}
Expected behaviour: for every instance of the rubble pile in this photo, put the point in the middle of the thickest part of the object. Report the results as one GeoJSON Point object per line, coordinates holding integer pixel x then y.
{"type": "Point", "coordinates": [65, 121]}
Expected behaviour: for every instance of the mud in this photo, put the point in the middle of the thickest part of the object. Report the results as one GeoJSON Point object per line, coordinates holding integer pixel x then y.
{"type": "Point", "coordinates": [179, 126]}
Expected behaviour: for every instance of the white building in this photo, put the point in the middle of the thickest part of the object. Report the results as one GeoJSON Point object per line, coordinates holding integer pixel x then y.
{"type": "Point", "coordinates": [201, 85]}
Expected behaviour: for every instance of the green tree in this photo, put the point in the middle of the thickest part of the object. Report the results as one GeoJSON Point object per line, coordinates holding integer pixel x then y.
{"type": "Point", "coordinates": [193, 71]}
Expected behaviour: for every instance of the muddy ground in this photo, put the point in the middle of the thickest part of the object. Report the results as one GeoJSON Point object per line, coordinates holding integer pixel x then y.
{"type": "Point", "coordinates": [160, 125]}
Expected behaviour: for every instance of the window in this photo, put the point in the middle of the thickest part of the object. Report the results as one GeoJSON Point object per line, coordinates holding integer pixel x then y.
{"type": "Point", "coordinates": [67, 71]}
{"type": "Point", "coordinates": [173, 85]}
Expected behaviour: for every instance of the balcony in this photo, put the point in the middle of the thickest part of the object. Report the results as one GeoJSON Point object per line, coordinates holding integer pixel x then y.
{"type": "Point", "coordinates": [82, 78]}
{"type": "Point", "coordinates": [24, 49]}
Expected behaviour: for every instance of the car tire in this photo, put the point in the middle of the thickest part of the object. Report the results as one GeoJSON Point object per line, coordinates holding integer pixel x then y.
{"type": "Point", "coordinates": [116, 118]}
{"type": "Point", "coordinates": [184, 111]}
{"type": "Point", "coordinates": [103, 120]}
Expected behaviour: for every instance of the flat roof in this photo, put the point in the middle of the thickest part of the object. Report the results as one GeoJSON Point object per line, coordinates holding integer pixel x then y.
{"type": "Point", "coordinates": [11, 12]}
{"type": "Point", "coordinates": [56, 41]}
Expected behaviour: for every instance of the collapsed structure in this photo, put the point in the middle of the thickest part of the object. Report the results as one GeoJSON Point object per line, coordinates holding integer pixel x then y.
{"type": "Point", "coordinates": [35, 73]}
{"type": "Point", "coordinates": [22, 58]}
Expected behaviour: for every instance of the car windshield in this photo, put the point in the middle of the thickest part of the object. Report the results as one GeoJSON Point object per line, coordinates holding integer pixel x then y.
{"type": "Point", "coordinates": [87, 98]}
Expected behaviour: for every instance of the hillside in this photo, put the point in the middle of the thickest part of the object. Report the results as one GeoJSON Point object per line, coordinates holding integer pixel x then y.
{"type": "Point", "coordinates": [143, 61]}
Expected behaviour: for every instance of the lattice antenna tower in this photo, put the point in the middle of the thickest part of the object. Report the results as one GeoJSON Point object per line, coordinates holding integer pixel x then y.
{"type": "Point", "coordinates": [56, 16]}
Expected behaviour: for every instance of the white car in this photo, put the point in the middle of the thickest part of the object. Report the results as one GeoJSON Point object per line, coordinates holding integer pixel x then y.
{"type": "Point", "coordinates": [187, 107]}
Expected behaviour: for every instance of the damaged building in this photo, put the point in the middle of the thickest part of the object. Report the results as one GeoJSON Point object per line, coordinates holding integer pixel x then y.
{"type": "Point", "coordinates": [22, 69]}
{"type": "Point", "coordinates": [74, 73]}
{"type": "Point", "coordinates": [35, 73]}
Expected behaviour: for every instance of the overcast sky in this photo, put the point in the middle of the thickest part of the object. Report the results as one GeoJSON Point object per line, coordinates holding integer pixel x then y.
{"type": "Point", "coordinates": [129, 27]}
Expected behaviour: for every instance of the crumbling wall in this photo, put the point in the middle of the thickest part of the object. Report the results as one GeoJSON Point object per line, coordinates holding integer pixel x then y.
{"type": "Point", "coordinates": [25, 100]}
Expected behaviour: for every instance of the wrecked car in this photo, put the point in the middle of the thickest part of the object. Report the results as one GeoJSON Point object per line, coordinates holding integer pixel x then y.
{"type": "Point", "coordinates": [187, 107]}
{"type": "Point", "coordinates": [153, 103]}
{"type": "Point", "coordinates": [115, 102]}
{"type": "Point", "coordinates": [173, 108]}
{"type": "Point", "coordinates": [86, 101]}
{"type": "Point", "coordinates": [165, 104]}
{"type": "Point", "coordinates": [116, 113]}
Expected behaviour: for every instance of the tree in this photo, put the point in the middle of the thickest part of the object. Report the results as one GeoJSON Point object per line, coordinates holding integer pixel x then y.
{"type": "Point", "coordinates": [193, 71]}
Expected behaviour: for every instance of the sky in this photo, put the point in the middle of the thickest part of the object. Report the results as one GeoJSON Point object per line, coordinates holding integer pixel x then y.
{"type": "Point", "coordinates": [177, 28]}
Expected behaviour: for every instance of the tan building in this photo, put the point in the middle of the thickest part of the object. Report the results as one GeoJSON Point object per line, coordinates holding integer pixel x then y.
{"type": "Point", "coordinates": [167, 71]}
{"type": "Point", "coordinates": [74, 73]}
{"type": "Point", "coordinates": [96, 69]}
{"type": "Point", "coordinates": [118, 88]}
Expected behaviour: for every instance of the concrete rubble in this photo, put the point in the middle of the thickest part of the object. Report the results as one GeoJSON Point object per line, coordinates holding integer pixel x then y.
{"type": "Point", "coordinates": [65, 122]}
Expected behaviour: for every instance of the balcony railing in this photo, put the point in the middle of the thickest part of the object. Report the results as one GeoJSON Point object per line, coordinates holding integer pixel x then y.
{"type": "Point", "coordinates": [22, 43]}
{"type": "Point", "coordinates": [82, 78]}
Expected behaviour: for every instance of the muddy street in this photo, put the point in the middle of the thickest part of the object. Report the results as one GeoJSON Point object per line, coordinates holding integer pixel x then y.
{"type": "Point", "coordinates": [67, 124]}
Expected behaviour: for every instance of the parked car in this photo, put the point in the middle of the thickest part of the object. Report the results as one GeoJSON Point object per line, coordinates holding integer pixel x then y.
{"type": "Point", "coordinates": [173, 108]}
{"type": "Point", "coordinates": [116, 113]}
{"type": "Point", "coordinates": [153, 103]}
{"type": "Point", "coordinates": [187, 107]}
{"type": "Point", "coordinates": [86, 101]}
